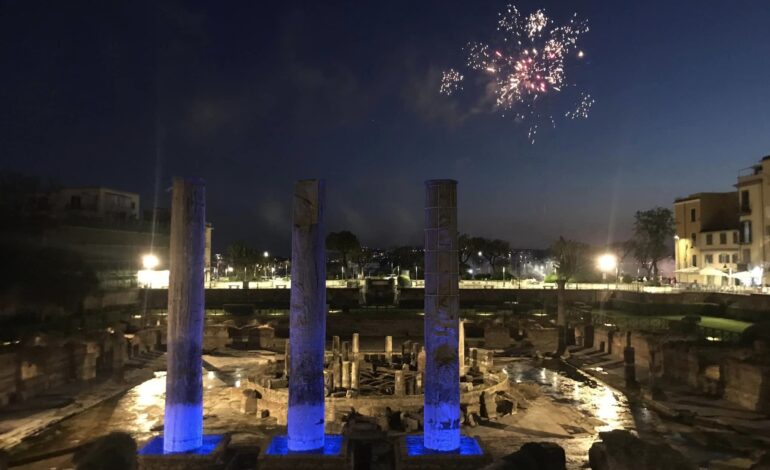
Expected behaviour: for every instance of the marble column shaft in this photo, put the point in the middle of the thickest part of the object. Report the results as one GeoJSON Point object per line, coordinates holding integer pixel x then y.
{"type": "Point", "coordinates": [307, 318]}
{"type": "Point", "coordinates": [442, 367]}
{"type": "Point", "coordinates": [183, 427]}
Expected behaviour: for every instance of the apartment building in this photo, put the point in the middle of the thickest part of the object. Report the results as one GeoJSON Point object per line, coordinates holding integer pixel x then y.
{"type": "Point", "coordinates": [754, 218]}
{"type": "Point", "coordinates": [707, 237]}
{"type": "Point", "coordinates": [726, 232]}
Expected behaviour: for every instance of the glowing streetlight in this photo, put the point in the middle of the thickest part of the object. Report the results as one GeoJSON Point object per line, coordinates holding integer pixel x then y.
{"type": "Point", "coordinates": [265, 254]}
{"type": "Point", "coordinates": [607, 263]}
{"type": "Point", "coordinates": [150, 261]}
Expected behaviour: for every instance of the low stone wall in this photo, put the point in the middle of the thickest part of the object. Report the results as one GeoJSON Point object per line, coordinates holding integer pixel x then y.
{"type": "Point", "coordinates": [615, 341]}
{"type": "Point", "coordinates": [752, 307]}
{"type": "Point", "coordinates": [47, 363]}
{"type": "Point", "coordinates": [343, 298]}
{"type": "Point", "coordinates": [110, 299]}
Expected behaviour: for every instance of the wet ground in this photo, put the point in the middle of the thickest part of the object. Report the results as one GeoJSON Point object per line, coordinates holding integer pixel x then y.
{"type": "Point", "coordinates": [566, 406]}
{"type": "Point", "coordinates": [569, 411]}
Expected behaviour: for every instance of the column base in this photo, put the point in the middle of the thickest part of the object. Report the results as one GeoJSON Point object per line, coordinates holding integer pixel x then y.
{"type": "Point", "coordinates": [412, 454]}
{"type": "Point", "coordinates": [333, 455]}
{"type": "Point", "coordinates": [207, 456]}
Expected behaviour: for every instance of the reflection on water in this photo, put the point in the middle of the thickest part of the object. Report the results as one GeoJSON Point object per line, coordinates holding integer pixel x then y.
{"type": "Point", "coordinates": [138, 412]}
{"type": "Point", "coordinates": [592, 398]}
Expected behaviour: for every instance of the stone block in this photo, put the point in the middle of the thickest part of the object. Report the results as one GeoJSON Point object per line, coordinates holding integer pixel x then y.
{"type": "Point", "coordinates": [538, 456]}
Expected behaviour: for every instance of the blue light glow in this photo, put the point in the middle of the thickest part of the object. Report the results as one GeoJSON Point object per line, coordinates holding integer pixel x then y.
{"type": "Point", "coordinates": [155, 446]}
{"type": "Point", "coordinates": [468, 446]}
{"type": "Point", "coordinates": [280, 446]}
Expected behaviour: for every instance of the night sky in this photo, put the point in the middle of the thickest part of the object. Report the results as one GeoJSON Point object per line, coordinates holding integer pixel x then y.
{"type": "Point", "coordinates": [254, 95]}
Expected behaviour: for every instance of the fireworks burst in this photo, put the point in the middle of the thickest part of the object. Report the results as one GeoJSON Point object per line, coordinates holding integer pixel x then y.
{"type": "Point", "coordinates": [450, 82]}
{"type": "Point", "coordinates": [526, 66]}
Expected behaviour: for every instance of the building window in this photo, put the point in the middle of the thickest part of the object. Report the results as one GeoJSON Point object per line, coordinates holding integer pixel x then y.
{"type": "Point", "coordinates": [746, 231]}
{"type": "Point", "coordinates": [735, 259]}
{"type": "Point", "coordinates": [694, 260]}
{"type": "Point", "coordinates": [723, 238]}
{"type": "Point", "coordinates": [735, 237]}
{"type": "Point", "coordinates": [694, 239]}
{"type": "Point", "coordinates": [692, 215]}
{"type": "Point", "coordinates": [75, 202]}
{"type": "Point", "coordinates": [745, 206]}
{"type": "Point", "coordinates": [709, 239]}
{"type": "Point", "coordinates": [708, 259]}
{"type": "Point", "coordinates": [747, 256]}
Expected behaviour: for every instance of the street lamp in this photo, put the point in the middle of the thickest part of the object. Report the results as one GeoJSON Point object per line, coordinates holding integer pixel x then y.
{"type": "Point", "coordinates": [150, 261]}
{"type": "Point", "coordinates": [607, 263]}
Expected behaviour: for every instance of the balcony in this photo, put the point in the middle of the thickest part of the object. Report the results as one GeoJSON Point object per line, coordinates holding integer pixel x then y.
{"type": "Point", "coordinates": [744, 210]}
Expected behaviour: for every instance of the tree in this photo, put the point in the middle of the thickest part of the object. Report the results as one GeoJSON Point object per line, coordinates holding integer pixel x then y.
{"type": "Point", "coordinates": [494, 250]}
{"type": "Point", "coordinates": [653, 232]}
{"type": "Point", "coordinates": [569, 259]}
{"type": "Point", "coordinates": [345, 243]}
{"type": "Point", "coordinates": [242, 256]}
{"type": "Point", "coordinates": [467, 247]}
{"type": "Point", "coordinates": [408, 257]}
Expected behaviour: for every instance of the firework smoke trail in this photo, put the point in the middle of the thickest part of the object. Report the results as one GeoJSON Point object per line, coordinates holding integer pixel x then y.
{"type": "Point", "coordinates": [526, 66]}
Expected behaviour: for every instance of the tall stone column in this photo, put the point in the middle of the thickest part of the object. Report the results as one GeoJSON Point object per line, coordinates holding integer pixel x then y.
{"type": "Point", "coordinates": [461, 348]}
{"type": "Point", "coordinates": [442, 368]}
{"type": "Point", "coordinates": [355, 345]}
{"type": "Point", "coordinates": [389, 348]}
{"type": "Point", "coordinates": [183, 427]}
{"type": "Point", "coordinates": [307, 318]}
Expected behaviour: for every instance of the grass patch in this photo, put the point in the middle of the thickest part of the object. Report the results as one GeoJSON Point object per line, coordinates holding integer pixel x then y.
{"type": "Point", "coordinates": [736, 326]}
{"type": "Point", "coordinates": [727, 324]}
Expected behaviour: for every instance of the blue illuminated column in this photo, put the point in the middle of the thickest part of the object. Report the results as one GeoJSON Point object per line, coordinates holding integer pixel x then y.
{"type": "Point", "coordinates": [183, 427]}
{"type": "Point", "coordinates": [307, 318]}
{"type": "Point", "coordinates": [442, 368]}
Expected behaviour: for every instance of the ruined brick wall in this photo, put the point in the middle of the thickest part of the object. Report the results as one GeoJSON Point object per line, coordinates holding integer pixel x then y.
{"type": "Point", "coordinates": [681, 363]}
{"type": "Point", "coordinates": [544, 340]}
{"type": "Point", "coordinates": [9, 368]}
{"type": "Point", "coordinates": [747, 384]}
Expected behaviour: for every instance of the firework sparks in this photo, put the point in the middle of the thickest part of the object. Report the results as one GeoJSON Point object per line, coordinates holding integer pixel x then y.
{"type": "Point", "coordinates": [451, 82]}
{"type": "Point", "coordinates": [526, 66]}
{"type": "Point", "coordinates": [582, 109]}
